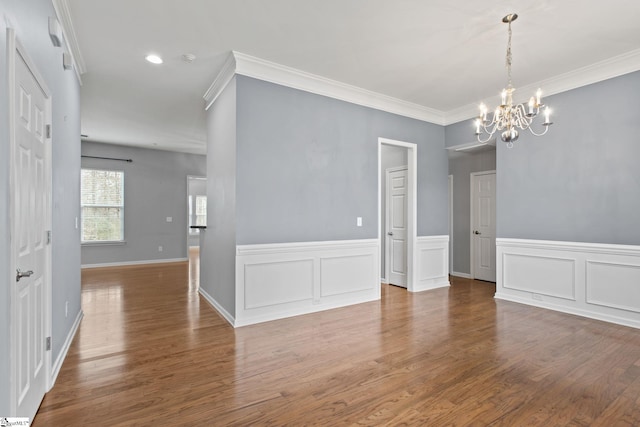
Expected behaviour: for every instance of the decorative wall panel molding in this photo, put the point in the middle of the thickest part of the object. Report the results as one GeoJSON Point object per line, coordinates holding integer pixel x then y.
{"type": "Point", "coordinates": [600, 281]}
{"type": "Point", "coordinates": [432, 263]}
{"type": "Point", "coordinates": [274, 281]}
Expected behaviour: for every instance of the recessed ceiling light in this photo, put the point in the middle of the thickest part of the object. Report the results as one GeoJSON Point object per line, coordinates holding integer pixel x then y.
{"type": "Point", "coordinates": [154, 59]}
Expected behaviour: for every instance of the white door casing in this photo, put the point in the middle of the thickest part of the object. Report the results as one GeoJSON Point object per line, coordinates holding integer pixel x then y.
{"type": "Point", "coordinates": [30, 195]}
{"type": "Point", "coordinates": [412, 196]}
{"type": "Point", "coordinates": [483, 226]}
{"type": "Point", "coordinates": [396, 216]}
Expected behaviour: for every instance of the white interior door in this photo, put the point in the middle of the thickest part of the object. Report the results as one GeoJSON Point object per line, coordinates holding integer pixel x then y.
{"type": "Point", "coordinates": [396, 214]}
{"type": "Point", "coordinates": [483, 225]}
{"type": "Point", "coordinates": [30, 244]}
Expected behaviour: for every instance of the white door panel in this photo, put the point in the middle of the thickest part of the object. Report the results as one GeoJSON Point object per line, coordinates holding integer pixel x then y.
{"type": "Point", "coordinates": [483, 193]}
{"type": "Point", "coordinates": [31, 210]}
{"type": "Point", "coordinates": [397, 227]}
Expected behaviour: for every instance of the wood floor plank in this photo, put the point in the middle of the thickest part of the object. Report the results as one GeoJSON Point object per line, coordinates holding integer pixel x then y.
{"type": "Point", "coordinates": [151, 351]}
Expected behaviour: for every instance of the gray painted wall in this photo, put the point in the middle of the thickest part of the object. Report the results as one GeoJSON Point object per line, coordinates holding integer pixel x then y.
{"type": "Point", "coordinates": [390, 156]}
{"type": "Point", "coordinates": [155, 187]}
{"type": "Point", "coordinates": [581, 181]}
{"type": "Point", "coordinates": [308, 166]}
{"type": "Point", "coordinates": [461, 165]}
{"type": "Point", "coordinates": [218, 241]}
{"type": "Point", "coordinates": [30, 21]}
{"type": "Point", "coordinates": [460, 133]}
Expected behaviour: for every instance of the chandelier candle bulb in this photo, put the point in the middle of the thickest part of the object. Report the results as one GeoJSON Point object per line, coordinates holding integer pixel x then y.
{"type": "Point", "coordinates": [547, 116]}
{"type": "Point", "coordinates": [538, 97]}
{"type": "Point", "coordinates": [483, 112]}
{"type": "Point", "coordinates": [504, 97]}
{"type": "Point", "coordinates": [531, 103]}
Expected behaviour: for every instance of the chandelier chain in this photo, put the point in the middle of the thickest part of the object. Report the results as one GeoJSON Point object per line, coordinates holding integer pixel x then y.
{"type": "Point", "coordinates": [508, 59]}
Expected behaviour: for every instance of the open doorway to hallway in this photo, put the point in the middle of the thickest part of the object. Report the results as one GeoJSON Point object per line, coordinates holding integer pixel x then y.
{"type": "Point", "coordinates": [462, 165]}
{"type": "Point", "coordinates": [400, 257]}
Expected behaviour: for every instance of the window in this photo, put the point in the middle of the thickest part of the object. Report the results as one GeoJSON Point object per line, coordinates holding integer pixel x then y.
{"type": "Point", "coordinates": [102, 203]}
{"type": "Point", "coordinates": [197, 212]}
{"type": "Point", "coordinates": [201, 210]}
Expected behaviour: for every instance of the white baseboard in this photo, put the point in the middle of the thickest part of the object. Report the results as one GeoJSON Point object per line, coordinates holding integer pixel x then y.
{"type": "Point", "coordinates": [128, 263]}
{"type": "Point", "coordinates": [599, 281]}
{"type": "Point", "coordinates": [432, 263]}
{"type": "Point", "coordinates": [55, 369]}
{"type": "Point", "coordinates": [274, 281]}
{"type": "Point", "coordinates": [217, 306]}
{"type": "Point", "coordinates": [458, 274]}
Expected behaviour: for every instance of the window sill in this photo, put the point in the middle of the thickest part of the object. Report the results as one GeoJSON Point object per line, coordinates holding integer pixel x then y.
{"type": "Point", "coordinates": [104, 243]}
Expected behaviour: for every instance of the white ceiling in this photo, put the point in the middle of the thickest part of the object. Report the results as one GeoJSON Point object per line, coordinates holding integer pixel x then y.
{"type": "Point", "coordinates": [441, 54]}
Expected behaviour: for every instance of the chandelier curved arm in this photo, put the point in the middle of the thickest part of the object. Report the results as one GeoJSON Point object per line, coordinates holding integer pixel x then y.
{"type": "Point", "coordinates": [489, 136]}
{"type": "Point", "coordinates": [546, 129]}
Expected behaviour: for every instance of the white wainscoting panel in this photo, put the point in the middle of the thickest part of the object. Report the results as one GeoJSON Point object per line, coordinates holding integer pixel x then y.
{"type": "Point", "coordinates": [542, 275]}
{"type": "Point", "coordinates": [432, 263]}
{"type": "Point", "coordinates": [600, 281]}
{"type": "Point", "coordinates": [341, 275]}
{"type": "Point", "coordinates": [614, 285]}
{"type": "Point", "coordinates": [274, 281]}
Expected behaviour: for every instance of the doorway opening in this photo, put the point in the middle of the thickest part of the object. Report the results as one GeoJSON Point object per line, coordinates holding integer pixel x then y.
{"type": "Point", "coordinates": [197, 217]}
{"type": "Point", "coordinates": [397, 208]}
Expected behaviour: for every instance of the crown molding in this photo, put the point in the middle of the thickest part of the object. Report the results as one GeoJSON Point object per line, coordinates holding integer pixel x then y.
{"type": "Point", "coordinates": [600, 71]}
{"type": "Point", "coordinates": [61, 8]}
{"type": "Point", "coordinates": [242, 64]}
{"type": "Point", "coordinates": [246, 65]}
{"type": "Point", "coordinates": [221, 81]}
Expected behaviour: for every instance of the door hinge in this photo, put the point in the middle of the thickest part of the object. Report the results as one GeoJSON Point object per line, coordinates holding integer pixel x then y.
{"type": "Point", "coordinates": [48, 131]}
{"type": "Point", "coordinates": [48, 237]}
{"type": "Point", "coordinates": [48, 343]}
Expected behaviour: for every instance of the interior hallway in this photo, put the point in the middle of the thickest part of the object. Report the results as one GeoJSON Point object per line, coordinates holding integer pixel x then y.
{"type": "Point", "coordinates": [150, 351]}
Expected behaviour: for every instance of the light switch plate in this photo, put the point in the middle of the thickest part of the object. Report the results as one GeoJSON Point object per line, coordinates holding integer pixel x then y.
{"type": "Point", "coordinates": [169, 219]}
{"type": "Point", "coordinates": [359, 221]}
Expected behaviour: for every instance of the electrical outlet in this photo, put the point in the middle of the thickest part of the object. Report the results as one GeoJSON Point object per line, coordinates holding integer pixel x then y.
{"type": "Point", "coordinates": [169, 219]}
{"type": "Point", "coordinates": [159, 248]}
{"type": "Point", "coordinates": [359, 221]}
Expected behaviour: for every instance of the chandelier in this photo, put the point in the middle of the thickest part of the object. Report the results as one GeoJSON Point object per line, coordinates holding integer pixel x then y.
{"type": "Point", "coordinates": [508, 117]}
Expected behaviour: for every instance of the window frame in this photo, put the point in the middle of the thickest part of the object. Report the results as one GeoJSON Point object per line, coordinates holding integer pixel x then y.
{"type": "Point", "coordinates": [119, 241]}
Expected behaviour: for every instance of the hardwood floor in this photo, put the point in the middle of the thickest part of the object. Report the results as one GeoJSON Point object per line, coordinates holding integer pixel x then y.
{"type": "Point", "coordinates": [150, 351]}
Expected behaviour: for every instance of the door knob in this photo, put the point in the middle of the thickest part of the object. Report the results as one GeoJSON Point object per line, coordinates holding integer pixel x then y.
{"type": "Point", "coordinates": [390, 233]}
{"type": "Point", "coordinates": [476, 232]}
{"type": "Point", "coordinates": [21, 274]}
